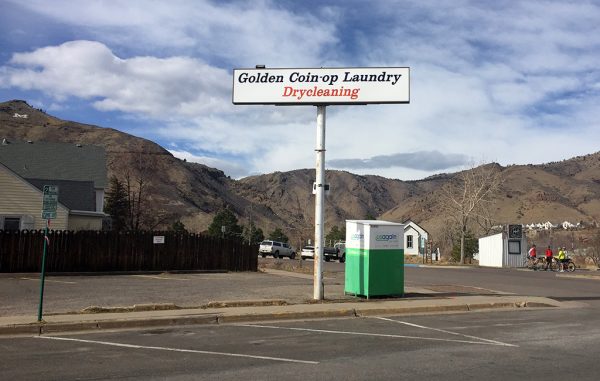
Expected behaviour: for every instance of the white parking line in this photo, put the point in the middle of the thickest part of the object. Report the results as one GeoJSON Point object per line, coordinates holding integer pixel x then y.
{"type": "Point", "coordinates": [484, 342]}
{"type": "Point", "coordinates": [49, 280]}
{"type": "Point", "coordinates": [176, 349]}
{"type": "Point", "coordinates": [448, 332]}
{"type": "Point", "coordinates": [487, 289]}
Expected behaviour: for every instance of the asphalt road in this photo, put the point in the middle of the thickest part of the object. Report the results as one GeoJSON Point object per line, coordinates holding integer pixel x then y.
{"type": "Point", "coordinates": [534, 345]}
{"type": "Point", "coordinates": [548, 343]}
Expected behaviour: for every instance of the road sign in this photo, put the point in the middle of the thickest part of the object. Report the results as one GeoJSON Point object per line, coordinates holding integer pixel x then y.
{"type": "Point", "coordinates": [49, 202]}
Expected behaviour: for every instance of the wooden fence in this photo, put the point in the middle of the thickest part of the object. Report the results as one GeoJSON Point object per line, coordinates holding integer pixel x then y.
{"type": "Point", "coordinates": [101, 251]}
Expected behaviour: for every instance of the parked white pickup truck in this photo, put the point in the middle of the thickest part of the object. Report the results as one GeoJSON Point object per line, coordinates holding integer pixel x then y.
{"type": "Point", "coordinates": [276, 249]}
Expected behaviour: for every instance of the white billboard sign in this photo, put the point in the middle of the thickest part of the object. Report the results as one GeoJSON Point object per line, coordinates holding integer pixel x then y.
{"type": "Point", "coordinates": [318, 86]}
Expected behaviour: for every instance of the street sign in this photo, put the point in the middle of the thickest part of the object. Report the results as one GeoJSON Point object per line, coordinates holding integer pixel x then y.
{"type": "Point", "coordinates": [49, 202]}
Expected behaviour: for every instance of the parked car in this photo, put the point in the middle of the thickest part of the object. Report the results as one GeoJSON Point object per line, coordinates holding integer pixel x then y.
{"type": "Point", "coordinates": [338, 252]}
{"type": "Point", "coordinates": [307, 252]}
{"type": "Point", "coordinates": [276, 249]}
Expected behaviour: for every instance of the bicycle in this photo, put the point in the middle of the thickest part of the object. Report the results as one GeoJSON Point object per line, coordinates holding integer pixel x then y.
{"type": "Point", "coordinates": [552, 266]}
{"type": "Point", "coordinates": [567, 265]}
{"type": "Point", "coordinates": [532, 263]}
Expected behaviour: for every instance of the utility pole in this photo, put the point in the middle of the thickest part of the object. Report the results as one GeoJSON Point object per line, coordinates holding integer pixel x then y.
{"type": "Point", "coordinates": [318, 292]}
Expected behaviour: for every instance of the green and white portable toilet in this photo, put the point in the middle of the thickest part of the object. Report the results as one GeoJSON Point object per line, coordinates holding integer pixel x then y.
{"type": "Point", "coordinates": [374, 258]}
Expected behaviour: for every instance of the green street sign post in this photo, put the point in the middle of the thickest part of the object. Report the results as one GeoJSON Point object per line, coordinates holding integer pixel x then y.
{"type": "Point", "coordinates": [49, 205]}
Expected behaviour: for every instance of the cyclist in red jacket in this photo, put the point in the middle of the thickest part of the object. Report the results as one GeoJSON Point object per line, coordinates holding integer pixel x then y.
{"type": "Point", "coordinates": [548, 257]}
{"type": "Point", "coordinates": [532, 253]}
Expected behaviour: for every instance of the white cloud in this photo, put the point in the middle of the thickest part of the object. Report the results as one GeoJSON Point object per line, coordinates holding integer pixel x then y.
{"type": "Point", "coordinates": [513, 82]}
{"type": "Point", "coordinates": [230, 168]}
{"type": "Point", "coordinates": [156, 87]}
{"type": "Point", "coordinates": [241, 33]}
{"type": "Point", "coordinates": [420, 160]}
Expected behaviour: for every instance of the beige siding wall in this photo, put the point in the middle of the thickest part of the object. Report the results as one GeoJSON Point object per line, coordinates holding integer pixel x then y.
{"type": "Point", "coordinates": [19, 198]}
{"type": "Point", "coordinates": [84, 223]}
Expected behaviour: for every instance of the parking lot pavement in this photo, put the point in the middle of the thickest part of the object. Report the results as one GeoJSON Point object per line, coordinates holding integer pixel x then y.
{"type": "Point", "coordinates": [528, 344]}
{"type": "Point", "coordinates": [138, 300]}
{"type": "Point", "coordinates": [19, 293]}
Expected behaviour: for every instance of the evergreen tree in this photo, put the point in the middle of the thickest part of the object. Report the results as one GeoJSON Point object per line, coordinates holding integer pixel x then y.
{"type": "Point", "coordinates": [252, 234]}
{"type": "Point", "coordinates": [116, 204]}
{"type": "Point", "coordinates": [369, 216]}
{"type": "Point", "coordinates": [178, 227]}
{"type": "Point", "coordinates": [471, 246]}
{"type": "Point", "coordinates": [227, 221]}
{"type": "Point", "coordinates": [278, 235]}
{"type": "Point", "coordinates": [335, 235]}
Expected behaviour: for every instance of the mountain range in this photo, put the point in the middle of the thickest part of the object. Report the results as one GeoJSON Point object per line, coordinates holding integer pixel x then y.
{"type": "Point", "coordinates": [193, 193]}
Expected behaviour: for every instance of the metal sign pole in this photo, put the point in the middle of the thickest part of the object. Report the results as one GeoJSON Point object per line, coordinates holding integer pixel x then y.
{"type": "Point", "coordinates": [318, 293]}
{"type": "Point", "coordinates": [43, 272]}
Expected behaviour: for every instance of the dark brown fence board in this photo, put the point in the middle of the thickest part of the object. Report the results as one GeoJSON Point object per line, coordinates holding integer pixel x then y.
{"type": "Point", "coordinates": [101, 251]}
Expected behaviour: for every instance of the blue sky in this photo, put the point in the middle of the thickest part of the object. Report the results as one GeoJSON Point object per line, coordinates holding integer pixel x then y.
{"type": "Point", "coordinates": [515, 82]}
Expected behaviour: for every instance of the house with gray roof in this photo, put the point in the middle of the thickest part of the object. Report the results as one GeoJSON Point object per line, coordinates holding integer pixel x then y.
{"type": "Point", "coordinates": [78, 170]}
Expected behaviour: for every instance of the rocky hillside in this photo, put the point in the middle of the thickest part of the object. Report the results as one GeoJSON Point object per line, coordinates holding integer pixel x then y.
{"type": "Point", "coordinates": [567, 190]}
{"type": "Point", "coordinates": [175, 189]}
{"type": "Point", "coordinates": [555, 192]}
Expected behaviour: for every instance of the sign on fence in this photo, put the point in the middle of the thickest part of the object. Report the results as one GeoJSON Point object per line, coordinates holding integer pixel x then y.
{"type": "Point", "coordinates": [158, 239]}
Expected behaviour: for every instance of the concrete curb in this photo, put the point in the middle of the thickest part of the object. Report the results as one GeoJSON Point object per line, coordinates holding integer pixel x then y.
{"type": "Point", "coordinates": [287, 315]}
{"type": "Point", "coordinates": [289, 312]}
{"type": "Point", "coordinates": [20, 329]}
{"type": "Point", "coordinates": [411, 310]}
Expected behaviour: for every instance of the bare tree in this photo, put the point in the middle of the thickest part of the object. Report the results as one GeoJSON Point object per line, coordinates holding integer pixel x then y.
{"type": "Point", "coordinates": [140, 213]}
{"type": "Point", "coordinates": [469, 195]}
{"type": "Point", "coordinates": [593, 251]}
{"type": "Point", "coordinates": [486, 220]}
{"type": "Point", "coordinates": [135, 190]}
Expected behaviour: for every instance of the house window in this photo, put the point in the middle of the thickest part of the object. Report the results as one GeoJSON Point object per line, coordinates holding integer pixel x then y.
{"type": "Point", "coordinates": [409, 241]}
{"type": "Point", "coordinates": [12, 223]}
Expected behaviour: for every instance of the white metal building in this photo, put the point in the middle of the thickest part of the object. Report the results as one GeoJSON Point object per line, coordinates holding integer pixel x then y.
{"type": "Point", "coordinates": [506, 249]}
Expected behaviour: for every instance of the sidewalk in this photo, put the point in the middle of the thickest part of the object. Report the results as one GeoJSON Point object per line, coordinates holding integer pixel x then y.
{"type": "Point", "coordinates": [416, 301]}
